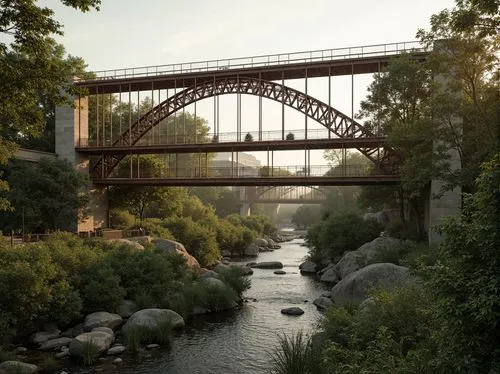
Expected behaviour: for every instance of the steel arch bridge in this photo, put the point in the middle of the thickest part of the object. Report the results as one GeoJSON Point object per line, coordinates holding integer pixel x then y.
{"type": "Point", "coordinates": [289, 195]}
{"type": "Point", "coordinates": [341, 126]}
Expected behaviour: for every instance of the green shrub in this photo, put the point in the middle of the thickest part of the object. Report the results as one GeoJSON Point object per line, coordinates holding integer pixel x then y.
{"type": "Point", "coordinates": [234, 278]}
{"type": "Point", "coordinates": [340, 233]}
{"type": "Point", "coordinates": [100, 288]}
{"type": "Point", "coordinates": [48, 365]}
{"type": "Point", "coordinates": [389, 333]}
{"type": "Point", "coordinates": [6, 356]}
{"type": "Point", "coordinates": [121, 219]}
{"type": "Point", "coordinates": [164, 331]}
{"type": "Point", "coordinates": [89, 353]}
{"type": "Point", "coordinates": [199, 240]}
{"type": "Point", "coordinates": [296, 355]}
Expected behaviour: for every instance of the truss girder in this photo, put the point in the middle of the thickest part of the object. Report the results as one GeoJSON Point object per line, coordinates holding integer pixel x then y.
{"type": "Point", "coordinates": [338, 123]}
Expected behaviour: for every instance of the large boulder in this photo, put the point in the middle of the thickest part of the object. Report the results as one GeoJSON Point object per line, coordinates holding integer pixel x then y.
{"type": "Point", "coordinates": [153, 317]}
{"type": "Point", "coordinates": [349, 263]}
{"type": "Point", "coordinates": [42, 336]}
{"type": "Point", "coordinates": [370, 249]}
{"type": "Point", "coordinates": [356, 286]}
{"type": "Point", "coordinates": [18, 367]}
{"type": "Point", "coordinates": [101, 337]}
{"type": "Point", "coordinates": [214, 282]}
{"type": "Point", "coordinates": [329, 275]}
{"type": "Point", "coordinates": [127, 308]}
{"type": "Point", "coordinates": [210, 274]}
{"type": "Point", "coordinates": [171, 246]}
{"type": "Point", "coordinates": [55, 344]}
{"type": "Point", "coordinates": [323, 302]}
{"type": "Point", "coordinates": [268, 265]}
{"type": "Point", "coordinates": [308, 267]}
{"type": "Point", "coordinates": [252, 250]}
{"type": "Point", "coordinates": [261, 242]}
{"type": "Point", "coordinates": [293, 311]}
{"type": "Point", "coordinates": [145, 239]}
{"type": "Point", "coordinates": [102, 319]}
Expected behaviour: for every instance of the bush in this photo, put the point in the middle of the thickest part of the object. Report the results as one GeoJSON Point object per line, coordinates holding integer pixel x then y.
{"type": "Point", "coordinates": [290, 136]}
{"type": "Point", "coordinates": [48, 365]}
{"type": "Point", "coordinates": [338, 234]}
{"type": "Point", "coordinates": [199, 240]}
{"type": "Point", "coordinates": [249, 137]}
{"type": "Point", "coordinates": [296, 355]}
{"type": "Point", "coordinates": [121, 219]}
{"type": "Point", "coordinates": [234, 278]}
{"type": "Point", "coordinates": [391, 333]}
{"type": "Point", "coordinates": [100, 289]}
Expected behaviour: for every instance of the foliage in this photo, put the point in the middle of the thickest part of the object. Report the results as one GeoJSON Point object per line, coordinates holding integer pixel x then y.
{"type": "Point", "coordinates": [234, 277]}
{"type": "Point", "coordinates": [340, 233]}
{"type": "Point", "coordinates": [47, 194]}
{"type": "Point", "coordinates": [140, 334]}
{"type": "Point", "coordinates": [89, 352]}
{"type": "Point", "coordinates": [296, 355]}
{"type": "Point", "coordinates": [100, 288]}
{"type": "Point", "coordinates": [227, 203]}
{"type": "Point", "coordinates": [248, 137]}
{"type": "Point", "coordinates": [28, 47]}
{"type": "Point", "coordinates": [290, 136]}
{"type": "Point", "coordinates": [199, 240]}
{"type": "Point", "coordinates": [389, 334]}
{"type": "Point", "coordinates": [233, 237]}
{"type": "Point", "coordinates": [467, 281]}
{"type": "Point", "coordinates": [307, 215]}
{"type": "Point", "coordinates": [48, 365]}
{"type": "Point", "coordinates": [121, 219]}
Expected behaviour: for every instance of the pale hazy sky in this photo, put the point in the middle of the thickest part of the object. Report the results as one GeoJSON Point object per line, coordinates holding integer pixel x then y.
{"type": "Point", "coordinates": [126, 33]}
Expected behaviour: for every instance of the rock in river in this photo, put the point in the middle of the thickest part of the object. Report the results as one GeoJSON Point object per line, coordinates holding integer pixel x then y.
{"type": "Point", "coordinates": [293, 311]}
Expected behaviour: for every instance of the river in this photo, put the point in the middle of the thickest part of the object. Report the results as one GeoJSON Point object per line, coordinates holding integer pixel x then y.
{"type": "Point", "coordinates": [240, 341]}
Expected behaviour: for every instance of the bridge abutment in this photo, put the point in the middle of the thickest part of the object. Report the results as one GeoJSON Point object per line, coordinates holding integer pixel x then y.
{"type": "Point", "coordinates": [72, 125]}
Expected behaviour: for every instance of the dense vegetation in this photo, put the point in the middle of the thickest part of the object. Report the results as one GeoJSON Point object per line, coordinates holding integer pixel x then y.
{"type": "Point", "coordinates": [62, 279]}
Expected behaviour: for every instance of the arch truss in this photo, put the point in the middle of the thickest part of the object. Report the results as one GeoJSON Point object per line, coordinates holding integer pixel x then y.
{"type": "Point", "coordinates": [339, 124]}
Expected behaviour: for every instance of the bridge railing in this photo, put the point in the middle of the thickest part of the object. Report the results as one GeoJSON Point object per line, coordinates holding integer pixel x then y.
{"type": "Point", "coordinates": [264, 60]}
{"type": "Point", "coordinates": [242, 172]}
{"type": "Point", "coordinates": [152, 139]}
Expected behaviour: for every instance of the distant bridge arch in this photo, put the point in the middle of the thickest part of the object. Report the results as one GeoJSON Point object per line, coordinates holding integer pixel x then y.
{"type": "Point", "coordinates": [337, 122]}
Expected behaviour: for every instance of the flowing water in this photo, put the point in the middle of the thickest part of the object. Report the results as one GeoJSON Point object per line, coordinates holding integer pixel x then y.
{"type": "Point", "coordinates": [240, 341]}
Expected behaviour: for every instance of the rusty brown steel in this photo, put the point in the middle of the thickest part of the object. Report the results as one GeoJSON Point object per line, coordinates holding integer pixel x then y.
{"type": "Point", "coordinates": [337, 122]}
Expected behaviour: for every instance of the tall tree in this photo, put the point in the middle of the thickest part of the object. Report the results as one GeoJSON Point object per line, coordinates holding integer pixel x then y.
{"type": "Point", "coordinates": [31, 65]}
{"type": "Point", "coordinates": [45, 195]}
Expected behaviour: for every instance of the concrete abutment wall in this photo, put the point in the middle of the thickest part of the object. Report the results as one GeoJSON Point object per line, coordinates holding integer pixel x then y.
{"type": "Point", "coordinates": [71, 125]}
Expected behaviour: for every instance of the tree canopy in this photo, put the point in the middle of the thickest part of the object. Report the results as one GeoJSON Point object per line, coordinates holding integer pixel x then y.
{"type": "Point", "coordinates": [35, 74]}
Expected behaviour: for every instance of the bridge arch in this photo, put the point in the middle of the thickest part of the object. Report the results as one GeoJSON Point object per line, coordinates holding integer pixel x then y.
{"type": "Point", "coordinates": [337, 122]}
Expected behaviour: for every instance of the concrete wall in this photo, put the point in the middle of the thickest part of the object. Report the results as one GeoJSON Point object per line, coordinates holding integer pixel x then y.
{"type": "Point", "coordinates": [71, 125]}
{"type": "Point", "coordinates": [450, 203]}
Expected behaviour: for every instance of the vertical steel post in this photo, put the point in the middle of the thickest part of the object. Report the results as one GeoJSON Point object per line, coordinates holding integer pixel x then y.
{"type": "Point", "coordinates": [195, 118]}
{"type": "Point", "coordinates": [129, 115]}
{"type": "Point", "coordinates": [103, 121]}
{"type": "Point", "coordinates": [238, 110]}
{"type": "Point", "coordinates": [330, 101]}
{"type": "Point", "coordinates": [111, 118]}
{"type": "Point", "coordinates": [152, 113]}
{"type": "Point", "coordinates": [215, 109]}
{"type": "Point", "coordinates": [97, 125]}
{"type": "Point", "coordinates": [120, 113]}
{"type": "Point", "coordinates": [282, 105]}
{"type": "Point", "coordinates": [305, 111]}
{"type": "Point", "coordinates": [184, 137]}
{"type": "Point", "coordinates": [260, 106]}
{"type": "Point", "coordinates": [79, 122]}
{"type": "Point", "coordinates": [166, 125]}
{"type": "Point", "coordinates": [159, 123]}
{"type": "Point", "coordinates": [175, 115]}
{"type": "Point", "coordinates": [352, 92]}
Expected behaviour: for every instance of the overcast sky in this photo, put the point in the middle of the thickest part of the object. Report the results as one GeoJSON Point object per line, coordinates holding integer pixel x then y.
{"type": "Point", "coordinates": [127, 33]}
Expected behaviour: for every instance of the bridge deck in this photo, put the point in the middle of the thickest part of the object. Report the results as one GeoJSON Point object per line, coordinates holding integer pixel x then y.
{"type": "Point", "coordinates": [255, 181]}
{"type": "Point", "coordinates": [281, 145]}
{"type": "Point", "coordinates": [333, 62]}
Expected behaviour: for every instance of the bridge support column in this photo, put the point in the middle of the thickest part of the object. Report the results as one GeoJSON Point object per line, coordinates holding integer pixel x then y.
{"type": "Point", "coordinates": [71, 126]}
{"type": "Point", "coordinates": [450, 203]}
{"type": "Point", "coordinates": [245, 209]}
